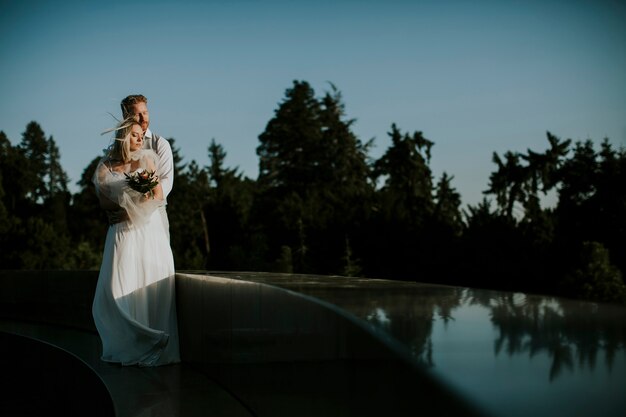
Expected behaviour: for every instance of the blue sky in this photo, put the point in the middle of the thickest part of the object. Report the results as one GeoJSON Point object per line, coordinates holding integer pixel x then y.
{"type": "Point", "coordinates": [474, 77]}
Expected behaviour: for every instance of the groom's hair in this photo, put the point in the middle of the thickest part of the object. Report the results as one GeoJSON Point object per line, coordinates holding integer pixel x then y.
{"type": "Point", "coordinates": [130, 101]}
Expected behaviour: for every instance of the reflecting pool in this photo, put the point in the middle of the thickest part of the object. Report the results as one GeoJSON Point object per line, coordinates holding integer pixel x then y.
{"type": "Point", "coordinates": [511, 354]}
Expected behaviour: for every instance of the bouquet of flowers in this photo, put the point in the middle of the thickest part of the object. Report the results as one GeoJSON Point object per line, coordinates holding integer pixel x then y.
{"type": "Point", "coordinates": [142, 181]}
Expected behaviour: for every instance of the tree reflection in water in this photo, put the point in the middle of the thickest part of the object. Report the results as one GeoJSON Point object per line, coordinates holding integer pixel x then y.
{"type": "Point", "coordinates": [409, 319]}
{"type": "Point", "coordinates": [567, 330]}
{"type": "Point", "coordinates": [572, 333]}
{"type": "Point", "coordinates": [481, 343]}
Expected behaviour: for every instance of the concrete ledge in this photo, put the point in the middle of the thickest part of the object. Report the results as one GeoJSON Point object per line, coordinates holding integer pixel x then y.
{"type": "Point", "coordinates": [232, 321]}
{"type": "Point", "coordinates": [284, 353]}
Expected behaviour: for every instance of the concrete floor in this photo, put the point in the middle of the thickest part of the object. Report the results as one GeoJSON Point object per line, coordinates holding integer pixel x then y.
{"type": "Point", "coordinates": [172, 390]}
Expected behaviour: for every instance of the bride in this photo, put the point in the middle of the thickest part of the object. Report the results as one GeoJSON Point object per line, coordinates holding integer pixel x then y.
{"type": "Point", "coordinates": [134, 305]}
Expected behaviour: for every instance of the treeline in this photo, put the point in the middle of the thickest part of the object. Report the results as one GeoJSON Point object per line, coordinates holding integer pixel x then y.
{"type": "Point", "coordinates": [322, 205]}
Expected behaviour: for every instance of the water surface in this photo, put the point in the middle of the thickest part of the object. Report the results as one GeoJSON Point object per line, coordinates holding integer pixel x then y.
{"type": "Point", "coordinates": [511, 354]}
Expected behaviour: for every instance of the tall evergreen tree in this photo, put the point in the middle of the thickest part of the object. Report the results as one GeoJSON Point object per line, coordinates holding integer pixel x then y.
{"type": "Point", "coordinates": [188, 230]}
{"type": "Point", "coordinates": [408, 185]}
{"type": "Point", "coordinates": [592, 201]}
{"type": "Point", "coordinates": [57, 199]}
{"type": "Point", "coordinates": [35, 149]}
{"type": "Point", "coordinates": [38, 201]}
{"type": "Point", "coordinates": [344, 160]}
{"type": "Point", "coordinates": [17, 181]}
{"type": "Point", "coordinates": [5, 219]}
{"type": "Point", "coordinates": [56, 177]}
{"type": "Point", "coordinates": [227, 211]}
{"type": "Point", "coordinates": [447, 211]}
{"type": "Point", "coordinates": [312, 168]}
{"type": "Point", "coordinates": [290, 147]}
{"type": "Point", "coordinates": [405, 207]}
{"type": "Point", "coordinates": [520, 178]}
{"type": "Point", "coordinates": [89, 222]}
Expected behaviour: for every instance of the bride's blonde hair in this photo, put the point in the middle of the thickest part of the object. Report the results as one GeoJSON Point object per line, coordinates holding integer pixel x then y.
{"type": "Point", "coordinates": [121, 146]}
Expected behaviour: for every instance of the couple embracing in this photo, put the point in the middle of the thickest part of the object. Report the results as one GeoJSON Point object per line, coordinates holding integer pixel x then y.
{"type": "Point", "coordinates": [134, 306]}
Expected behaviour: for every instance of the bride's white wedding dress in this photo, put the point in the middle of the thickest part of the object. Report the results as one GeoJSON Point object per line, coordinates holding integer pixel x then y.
{"type": "Point", "coordinates": [134, 305]}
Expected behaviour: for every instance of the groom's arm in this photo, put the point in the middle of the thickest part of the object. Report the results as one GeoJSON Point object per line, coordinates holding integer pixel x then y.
{"type": "Point", "coordinates": [166, 165]}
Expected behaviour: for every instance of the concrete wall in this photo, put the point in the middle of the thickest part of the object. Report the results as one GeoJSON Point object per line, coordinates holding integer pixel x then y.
{"type": "Point", "coordinates": [283, 353]}
{"type": "Point", "coordinates": [49, 297]}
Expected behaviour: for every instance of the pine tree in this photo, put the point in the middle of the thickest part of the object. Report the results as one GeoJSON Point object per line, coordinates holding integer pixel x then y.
{"type": "Point", "coordinates": [447, 210]}
{"type": "Point", "coordinates": [520, 178]}
{"type": "Point", "coordinates": [16, 180]}
{"type": "Point", "coordinates": [36, 199]}
{"type": "Point", "coordinates": [227, 212]}
{"type": "Point", "coordinates": [89, 223]}
{"type": "Point", "coordinates": [56, 177]}
{"type": "Point", "coordinates": [407, 192]}
{"type": "Point", "coordinates": [313, 179]}
{"type": "Point", "coordinates": [189, 235]}
{"type": "Point", "coordinates": [35, 149]}
{"type": "Point", "coordinates": [56, 201]}
{"type": "Point", "coordinates": [291, 147]}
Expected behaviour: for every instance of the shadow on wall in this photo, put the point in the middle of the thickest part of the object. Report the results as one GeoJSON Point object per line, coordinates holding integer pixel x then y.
{"type": "Point", "coordinates": [283, 353]}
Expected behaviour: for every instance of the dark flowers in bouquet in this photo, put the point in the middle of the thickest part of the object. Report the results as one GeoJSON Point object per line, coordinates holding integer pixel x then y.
{"type": "Point", "coordinates": [142, 181]}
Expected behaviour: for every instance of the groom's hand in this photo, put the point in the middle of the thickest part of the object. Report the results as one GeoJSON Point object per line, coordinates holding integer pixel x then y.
{"type": "Point", "coordinates": [116, 216]}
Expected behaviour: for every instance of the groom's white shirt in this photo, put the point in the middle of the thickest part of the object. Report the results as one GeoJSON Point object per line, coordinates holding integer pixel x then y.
{"type": "Point", "coordinates": [165, 170]}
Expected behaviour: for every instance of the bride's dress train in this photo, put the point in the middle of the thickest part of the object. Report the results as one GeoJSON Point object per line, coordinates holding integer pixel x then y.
{"type": "Point", "coordinates": [134, 306]}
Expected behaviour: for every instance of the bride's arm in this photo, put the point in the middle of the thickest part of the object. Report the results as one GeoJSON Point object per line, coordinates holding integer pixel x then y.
{"type": "Point", "coordinates": [114, 212]}
{"type": "Point", "coordinates": [103, 189]}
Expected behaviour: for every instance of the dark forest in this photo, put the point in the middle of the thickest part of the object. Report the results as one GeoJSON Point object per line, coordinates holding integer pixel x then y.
{"type": "Point", "coordinates": [322, 205]}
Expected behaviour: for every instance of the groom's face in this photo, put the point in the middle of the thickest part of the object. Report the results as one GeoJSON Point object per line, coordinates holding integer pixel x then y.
{"type": "Point", "coordinates": [140, 110]}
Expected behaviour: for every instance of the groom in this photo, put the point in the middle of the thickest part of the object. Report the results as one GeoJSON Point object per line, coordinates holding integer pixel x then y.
{"type": "Point", "coordinates": [137, 105]}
